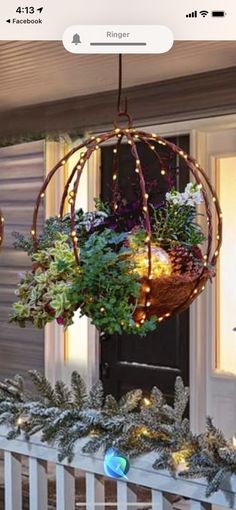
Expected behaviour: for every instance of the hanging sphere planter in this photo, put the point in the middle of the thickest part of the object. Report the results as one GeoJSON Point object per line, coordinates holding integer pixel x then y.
{"type": "Point", "coordinates": [171, 278]}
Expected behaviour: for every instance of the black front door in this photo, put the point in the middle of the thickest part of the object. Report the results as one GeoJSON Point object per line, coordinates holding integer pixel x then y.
{"type": "Point", "coordinates": [130, 361]}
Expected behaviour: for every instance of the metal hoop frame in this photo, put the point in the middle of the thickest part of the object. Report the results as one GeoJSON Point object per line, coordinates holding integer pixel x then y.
{"type": "Point", "coordinates": [1, 227]}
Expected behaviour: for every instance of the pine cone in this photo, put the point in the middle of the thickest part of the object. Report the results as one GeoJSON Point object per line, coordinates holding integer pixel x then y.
{"type": "Point", "coordinates": [184, 261]}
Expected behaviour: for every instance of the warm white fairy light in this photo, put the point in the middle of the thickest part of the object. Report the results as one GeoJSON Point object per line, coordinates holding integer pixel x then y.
{"type": "Point", "coordinates": [146, 195]}
{"type": "Point", "coordinates": [137, 170]}
{"type": "Point", "coordinates": [163, 172]}
{"type": "Point", "coordinates": [102, 309]}
{"type": "Point", "coordinates": [117, 130]}
{"type": "Point", "coordinates": [115, 151]}
{"type": "Point", "coordinates": [214, 199]}
{"type": "Point", "coordinates": [145, 208]}
{"type": "Point", "coordinates": [33, 232]}
{"type": "Point", "coordinates": [63, 161]}
{"type": "Point", "coordinates": [114, 177]}
{"type": "Point", "coordinates": [42, 195]}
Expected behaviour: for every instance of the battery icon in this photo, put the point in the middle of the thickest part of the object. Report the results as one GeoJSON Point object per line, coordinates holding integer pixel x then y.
{"type": "Point", "coordinates": [218, 14]}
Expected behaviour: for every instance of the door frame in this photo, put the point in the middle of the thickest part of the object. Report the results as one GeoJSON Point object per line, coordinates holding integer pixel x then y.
{"type": "Point", "coordinates": [202, 339]}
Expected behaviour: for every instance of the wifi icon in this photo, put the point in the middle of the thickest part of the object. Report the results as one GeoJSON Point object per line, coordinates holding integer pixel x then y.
{"type": "Point", "coordinates": [204, 13]}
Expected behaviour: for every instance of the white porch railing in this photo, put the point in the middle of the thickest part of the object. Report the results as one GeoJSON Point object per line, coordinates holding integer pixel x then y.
{"type": "Point", "coordinates": [162, 486]}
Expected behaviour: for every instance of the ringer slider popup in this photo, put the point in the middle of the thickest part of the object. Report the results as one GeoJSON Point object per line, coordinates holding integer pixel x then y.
{"type": "Point", "coordinates": [110, 39]}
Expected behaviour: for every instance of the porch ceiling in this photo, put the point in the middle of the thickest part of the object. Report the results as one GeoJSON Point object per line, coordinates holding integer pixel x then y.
{"type": "Point", "coordinates": [33, 72]}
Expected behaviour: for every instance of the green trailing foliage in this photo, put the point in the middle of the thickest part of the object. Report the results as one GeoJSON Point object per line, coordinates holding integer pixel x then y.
{"type": "Point", "coordinates": [56, 287]}
{"type": "Point", "coordinates": [134, 425]}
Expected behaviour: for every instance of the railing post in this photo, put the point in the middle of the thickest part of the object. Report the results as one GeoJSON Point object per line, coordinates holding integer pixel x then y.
{"type": "Point", "coordinates": [65, 487]}
{"type": "Point", "coordinates": [160, 501]}
{"type": "Point", "coordinates": [198, 505]}
{"type": "Point", "coordinates": [38, 488]}
{"type": "Point", "coordinates": [95, 492]}
{"type": "Point", "coordinates": [13, 485]}
{"type": "Point", "coordinates": [126, 498]}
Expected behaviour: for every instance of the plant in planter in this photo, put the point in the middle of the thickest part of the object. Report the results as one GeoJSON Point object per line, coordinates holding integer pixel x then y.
{"type": "Point", "coordinates": [108, 285]}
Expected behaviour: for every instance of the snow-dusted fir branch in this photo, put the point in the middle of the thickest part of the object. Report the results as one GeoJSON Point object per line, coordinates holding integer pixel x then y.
{"type": "Point", "coordinates": [134, 425]}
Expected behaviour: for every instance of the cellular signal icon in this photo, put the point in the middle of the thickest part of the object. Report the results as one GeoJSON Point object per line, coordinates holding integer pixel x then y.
{"type": "Point", "coordinates": [192, 15]}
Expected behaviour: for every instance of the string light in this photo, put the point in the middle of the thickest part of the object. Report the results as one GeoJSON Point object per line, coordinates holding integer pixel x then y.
{"type": "Point", "coordinates": [146, 195]}
{"type": "Point", "coordinates": [137, 170]}
{"type": "Point", "coordinates": [163, 172]}
{"type": "Point", "coordinates": [42, 195]}
{"type": "Point", "coordinates": [115, 151]}
{"type": "Point", "coordinates": [73, 233]}
{"type": "Point", "coordinates": [216, 253]}
{"type": "Point", "coordinates": [117, 130]}
{"type": "Point", "coordinates": [114, 177]}
{"type": "Point", "coordinates": [167, 314]}
{"type": "Point", "coordinates": [33, 232]}
{"type": "Point", "coordinates": [63, 161]}
{"type": "Point", "coordinates": [160, 319]}
{"type": "Point", "coordinates": [146, 401]}
{"type": "Point", "coordinates": [214, 199]}
{"type": "Point", "coordinates": [145, 208]}
{"type": "Point", "coordinates": [102, 309]}
{"type": "Point", "coordinates": [148, 304]}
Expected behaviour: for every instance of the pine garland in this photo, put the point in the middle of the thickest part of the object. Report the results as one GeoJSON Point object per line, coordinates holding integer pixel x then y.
{"type": "Point", "coordinates": [134, 425]}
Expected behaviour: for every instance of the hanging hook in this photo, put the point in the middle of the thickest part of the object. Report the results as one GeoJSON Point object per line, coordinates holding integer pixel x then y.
{"type": "Point", "coordinates": [120, 84]}
{"type": "Point", "coordinates": [121, 111]}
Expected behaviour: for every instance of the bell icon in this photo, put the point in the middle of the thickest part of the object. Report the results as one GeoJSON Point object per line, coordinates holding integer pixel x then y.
{"type": "Point", "coordinates": [76, 39]}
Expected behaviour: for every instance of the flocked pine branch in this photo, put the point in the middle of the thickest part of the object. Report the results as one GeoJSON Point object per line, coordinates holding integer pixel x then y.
{"type": "Point", "coordinates": [134, 425]}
